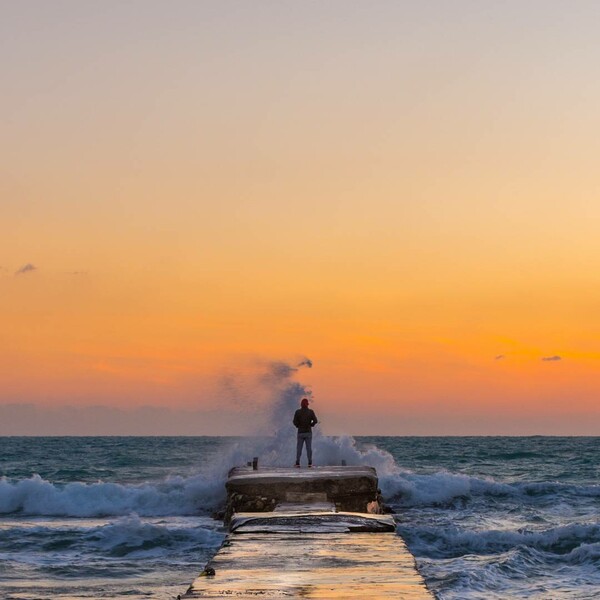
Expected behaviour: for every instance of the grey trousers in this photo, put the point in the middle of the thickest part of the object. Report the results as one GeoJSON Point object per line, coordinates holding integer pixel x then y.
{"type": "Point", "coordinates": [304, 438]}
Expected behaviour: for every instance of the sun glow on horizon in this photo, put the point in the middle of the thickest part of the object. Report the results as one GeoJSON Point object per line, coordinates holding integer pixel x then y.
{"type": "Point", "coordinates": [403, 194]}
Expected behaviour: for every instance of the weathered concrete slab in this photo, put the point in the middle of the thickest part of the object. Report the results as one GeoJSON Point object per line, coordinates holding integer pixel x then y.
{"type": "Point", "coordinates": [311, 521]}
{"type": "Point", "coordinates": [349, 488]}
{"type": "Point", "coordinates": [266, 475]}
{"type": "Point", "coordinates": [306, 497]}
{"type": "Point", "coordinates": [305, 507]}
{"type": "Point", "coordinates": [336, 566]}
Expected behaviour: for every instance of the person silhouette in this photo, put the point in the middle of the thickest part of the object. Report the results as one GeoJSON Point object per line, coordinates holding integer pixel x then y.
{"type": "Point", "coordinates": [304, 420]}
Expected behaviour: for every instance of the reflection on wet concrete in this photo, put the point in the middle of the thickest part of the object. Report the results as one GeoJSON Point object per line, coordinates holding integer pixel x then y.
{"type": "Point", "coordinates": [314, 565]}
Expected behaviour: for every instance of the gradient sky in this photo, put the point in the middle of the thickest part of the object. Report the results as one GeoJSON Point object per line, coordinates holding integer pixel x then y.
{"type": "Point", "coordinates": [408, 193]}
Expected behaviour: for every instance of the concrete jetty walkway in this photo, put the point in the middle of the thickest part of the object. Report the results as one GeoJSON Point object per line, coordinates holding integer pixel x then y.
{"type": "Point", "coordinates": [304, 542]}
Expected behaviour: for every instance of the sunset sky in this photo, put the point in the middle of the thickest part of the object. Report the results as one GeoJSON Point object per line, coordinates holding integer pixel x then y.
{"type": "Point", "coordinates": [407, 193]}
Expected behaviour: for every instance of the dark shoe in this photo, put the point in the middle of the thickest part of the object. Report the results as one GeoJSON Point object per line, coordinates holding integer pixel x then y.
{"type": "Point", "coordinates": [297, 465]}
{"type": "Point", "coordinates": [310, 465]}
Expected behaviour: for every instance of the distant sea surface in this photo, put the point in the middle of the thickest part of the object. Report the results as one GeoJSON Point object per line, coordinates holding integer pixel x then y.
{"type": "Point", "coordinates": [130, 517]}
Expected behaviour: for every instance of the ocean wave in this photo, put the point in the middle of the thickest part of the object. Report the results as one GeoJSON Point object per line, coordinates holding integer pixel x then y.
{"type": "Point", "coordinates": [585, 554]}
{"type": "Point", "coordinates": [522, 572]}
{"type": "Point", "coordinates": [552, 487]}
{"type": "Point", "coordinates": [174, 496]}
{"type": "Point", "coordinates": [443, 488]}
{"type": "Point", "coordinates": [132, 537]}
{"type": "Point", "coordinates": [575, 542]}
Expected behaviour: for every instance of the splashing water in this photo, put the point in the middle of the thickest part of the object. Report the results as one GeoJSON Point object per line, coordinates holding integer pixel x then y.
{"type": "Point", "coordinates": [204, 491]}
{"type": "Point", "coordinates": [278, 448]}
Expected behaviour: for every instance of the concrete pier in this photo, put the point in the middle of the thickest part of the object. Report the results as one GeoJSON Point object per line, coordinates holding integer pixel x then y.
{"type": "Point", "coordinates": [304, 542]}
{"type": "Point", "coordinates": [348, 488]}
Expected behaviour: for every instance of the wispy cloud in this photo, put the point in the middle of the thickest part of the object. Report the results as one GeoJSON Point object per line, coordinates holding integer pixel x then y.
{"type": "Point", "coordinates": [499, 357]}
{"type": "Point", "coordinates": [28, 268]}
{"type": "Point", "coordinates": [551, 358]}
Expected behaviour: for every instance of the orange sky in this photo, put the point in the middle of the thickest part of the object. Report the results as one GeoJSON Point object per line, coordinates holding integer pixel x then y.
{"type": "Point", "coordinates": [400, 191]}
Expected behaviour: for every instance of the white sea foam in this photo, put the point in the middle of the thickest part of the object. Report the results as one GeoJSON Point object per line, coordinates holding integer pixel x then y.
{"type": "Point", "coordinates": [175, 496]}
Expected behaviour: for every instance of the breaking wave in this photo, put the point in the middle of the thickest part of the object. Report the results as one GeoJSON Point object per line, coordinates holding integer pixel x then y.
{"type": "Point", "coordinates": [574, 543]}
{"type": "Point", "coordinates": [130, 536]}
{"type": "Point", "coordinates": [175, 496]}
{"type": "Point", "coordinates": [204, 493]}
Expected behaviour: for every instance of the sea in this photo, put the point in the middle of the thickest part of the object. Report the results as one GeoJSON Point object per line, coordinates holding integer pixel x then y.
{"type": "Point", "coordinates": [131, 517]}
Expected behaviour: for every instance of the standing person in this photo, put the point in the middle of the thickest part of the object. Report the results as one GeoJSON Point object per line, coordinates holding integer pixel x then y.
{"type": "Point", "coordinates": [304, 419]}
